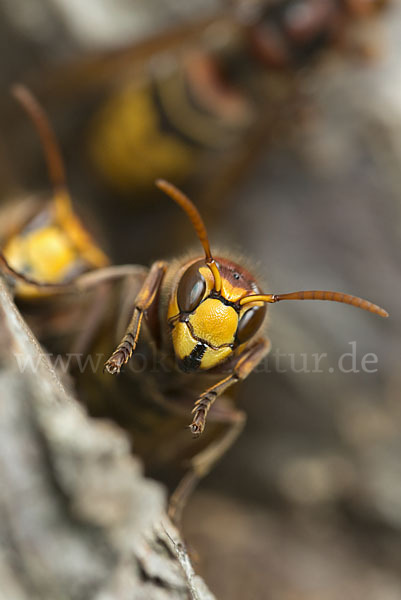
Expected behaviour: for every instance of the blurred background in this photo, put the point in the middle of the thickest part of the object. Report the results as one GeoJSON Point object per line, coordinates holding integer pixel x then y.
{"type": "Point", "coordinates": [283, 122]}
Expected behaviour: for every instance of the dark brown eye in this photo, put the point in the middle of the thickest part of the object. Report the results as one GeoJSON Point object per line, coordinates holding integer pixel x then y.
{"type": "Point", "coordinates": [250, 323]}
{"type": "Point", "coordinates": [191, 289]}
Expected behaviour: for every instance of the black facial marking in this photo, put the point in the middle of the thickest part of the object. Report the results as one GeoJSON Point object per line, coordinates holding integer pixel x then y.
{"type": "Point", "coordinates": [217, 296]}
{"type": "Point", "coordinates": [192, 362]}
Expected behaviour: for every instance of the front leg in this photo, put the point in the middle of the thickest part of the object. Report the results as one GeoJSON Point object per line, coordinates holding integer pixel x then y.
{"type": "Point", "coordinates": [143, 302]}
{"type": "Point", "coordinates": [245, 364]}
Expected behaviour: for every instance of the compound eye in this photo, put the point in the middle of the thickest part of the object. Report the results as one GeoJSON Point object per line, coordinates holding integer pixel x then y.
{"type": "Point", "coordinates": [250, 323]}
{"type": "Point", "coordinates": [191, 289]}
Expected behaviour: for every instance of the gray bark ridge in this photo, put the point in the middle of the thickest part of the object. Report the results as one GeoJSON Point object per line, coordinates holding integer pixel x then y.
{"type": "Point", "coordinates": [78, 520]}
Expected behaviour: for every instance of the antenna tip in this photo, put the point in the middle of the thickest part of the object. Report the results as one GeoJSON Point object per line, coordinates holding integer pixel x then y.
{"type": "Point", "coordinates": [161, 183]}
{"type": "Point", "coordinates": [18, 90]}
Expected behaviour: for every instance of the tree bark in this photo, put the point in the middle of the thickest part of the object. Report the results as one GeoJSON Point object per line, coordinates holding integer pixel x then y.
{"type": "Point", "coordinates": [78, 520]}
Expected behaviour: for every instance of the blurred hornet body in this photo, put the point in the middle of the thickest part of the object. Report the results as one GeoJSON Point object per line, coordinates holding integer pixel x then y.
{"type": "Point", "coordinates": [41, 237]}
{"type": "Point", "coordinates": [198, 102]}
{"type": "Point", "coordinates": [46, 241]}
{"type": "Point", "coordinates": [192, 328]}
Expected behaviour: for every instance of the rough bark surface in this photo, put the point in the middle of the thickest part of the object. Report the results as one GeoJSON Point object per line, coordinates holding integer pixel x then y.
{"type": "Point", "coordinates": [77, 518]}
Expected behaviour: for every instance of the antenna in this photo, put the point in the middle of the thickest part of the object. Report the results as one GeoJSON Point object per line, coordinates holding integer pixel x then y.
{"type": "Point", "coordinates": [317, 295]}
{"type": "Point", "coordinates": [55, 164]}
{"type": "Point", "coordinates": [197, 222]}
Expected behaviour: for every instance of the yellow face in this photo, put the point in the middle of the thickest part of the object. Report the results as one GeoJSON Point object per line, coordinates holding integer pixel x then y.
{"type": "Point", "coordinates": [208, 327]}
